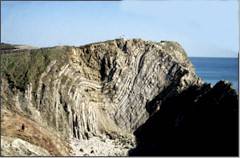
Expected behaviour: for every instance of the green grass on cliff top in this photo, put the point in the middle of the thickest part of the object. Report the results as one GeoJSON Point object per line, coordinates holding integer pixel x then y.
{"type": "Point", "coordinates": [25, 66]}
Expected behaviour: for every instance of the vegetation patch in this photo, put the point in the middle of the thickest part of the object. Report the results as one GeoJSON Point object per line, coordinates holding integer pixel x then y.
{"type": "Point", "coordinates": [5, 46]}
{"type": "Point", "coordinates": [25, 66]}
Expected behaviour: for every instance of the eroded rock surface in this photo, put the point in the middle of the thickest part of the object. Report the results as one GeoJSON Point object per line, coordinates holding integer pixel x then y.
{"type": "Point", "coordinates": [200, 121]}
{"type": "Point", "coordinates": [16, 146]}
{"type": "Point", "coordinates": [94, 90]}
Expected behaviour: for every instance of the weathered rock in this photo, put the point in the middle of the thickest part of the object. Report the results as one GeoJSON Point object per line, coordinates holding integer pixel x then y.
{"type": "Point", "coordinates": [200, 121]}
{"type": "Point", "coordinates": [15, 146]}
{"type": "Point", "coordinates": [22, 131]}
{"type": "Point", "coordinates": [97, 89]}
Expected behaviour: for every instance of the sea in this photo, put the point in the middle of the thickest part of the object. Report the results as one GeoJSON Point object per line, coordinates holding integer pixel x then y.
{"type": "Point", "coordinates": [212, 70]}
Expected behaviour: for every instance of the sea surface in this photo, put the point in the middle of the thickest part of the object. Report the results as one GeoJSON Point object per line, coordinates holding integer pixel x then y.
{"type": "Point", "coordinates": [212, 70]}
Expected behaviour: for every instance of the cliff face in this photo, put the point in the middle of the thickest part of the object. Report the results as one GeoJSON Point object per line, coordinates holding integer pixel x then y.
{"type": "Point", "coordinates": [97, 91]}
{"type": "Point", "coordinates": [93, 90]}
{"type": "Point", "coordinates": [200, 121]}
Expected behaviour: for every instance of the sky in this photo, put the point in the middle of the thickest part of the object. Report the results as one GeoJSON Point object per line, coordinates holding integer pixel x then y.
{"type": "Point", "coordinates": [204, 28]}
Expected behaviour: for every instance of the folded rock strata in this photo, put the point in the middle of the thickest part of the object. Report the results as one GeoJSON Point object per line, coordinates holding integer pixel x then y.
{"type": "Point", "coordinates": [97, 90]}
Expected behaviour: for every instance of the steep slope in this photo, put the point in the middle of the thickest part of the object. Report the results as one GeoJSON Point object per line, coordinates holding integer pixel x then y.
{"type": "Point", "coordinates": [97, 90]}
{"type": "Point", "coordinates": [22, 136]}
{"type": "Point", "coordinates": [200, 121]}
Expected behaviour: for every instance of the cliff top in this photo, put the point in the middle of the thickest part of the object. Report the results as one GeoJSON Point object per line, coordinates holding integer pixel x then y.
{"type": "Point", "coordinates": [23, 64]}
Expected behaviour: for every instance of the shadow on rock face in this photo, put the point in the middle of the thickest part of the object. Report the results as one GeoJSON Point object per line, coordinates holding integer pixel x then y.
{"type": "Point", "coordinates": [201, 121]}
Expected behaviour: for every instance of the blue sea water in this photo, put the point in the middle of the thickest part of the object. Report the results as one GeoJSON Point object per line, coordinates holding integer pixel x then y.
{"type": "Point", "coordinates": [212, 70]}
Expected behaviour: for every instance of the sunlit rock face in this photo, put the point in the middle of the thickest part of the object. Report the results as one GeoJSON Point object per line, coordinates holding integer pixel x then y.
{"type": "Point", "coordinates": [96, 90]}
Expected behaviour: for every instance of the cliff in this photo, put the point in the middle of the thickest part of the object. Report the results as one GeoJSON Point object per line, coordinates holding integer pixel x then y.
{"type": "Point", "coordinates": [200, 121]}
{"type": "Point", "coordinates": [99, 93]}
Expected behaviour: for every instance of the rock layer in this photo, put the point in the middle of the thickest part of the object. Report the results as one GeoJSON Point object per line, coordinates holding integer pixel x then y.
{"type": "Point", "coordinates": [94, 90]}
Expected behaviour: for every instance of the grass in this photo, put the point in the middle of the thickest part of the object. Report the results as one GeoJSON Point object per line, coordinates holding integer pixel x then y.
{"type": "Point", "coordinates": [22, 67]}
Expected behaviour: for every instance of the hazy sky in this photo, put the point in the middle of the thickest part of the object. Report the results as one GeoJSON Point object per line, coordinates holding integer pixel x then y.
{"type": "Point", "coordinates": [203, 28]}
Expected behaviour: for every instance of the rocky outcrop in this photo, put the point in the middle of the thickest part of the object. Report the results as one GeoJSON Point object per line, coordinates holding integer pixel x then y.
{"type": "Point", "coordinates": [20, 135]}
{"type": "Point", "coordinates": [200, 121]}
{"type": "Point", "coordinates": [16, 146]}
{"type": "Point", "coordinates": [97, 90]}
